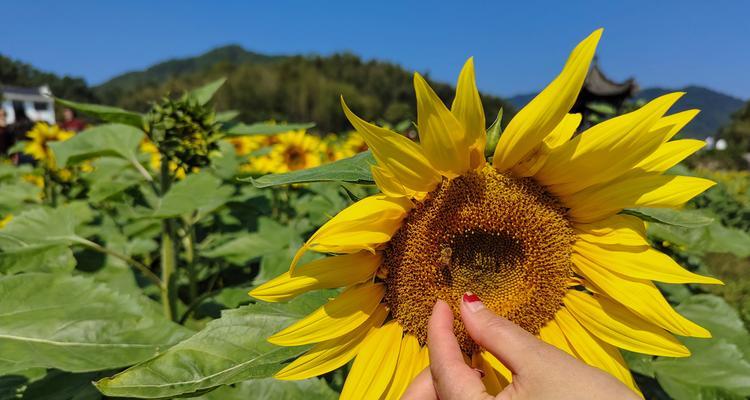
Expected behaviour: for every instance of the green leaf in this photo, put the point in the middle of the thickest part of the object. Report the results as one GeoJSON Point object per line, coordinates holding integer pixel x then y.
{"type": "Point", "coordinates": [719, 366]}
{"type": "Point", "coordinates": [74, 324]}
{"type": "Point", "coordinates": [272, 389]}
{"type": "Point", "coordinates": [493, 135]}
{"type": "Point", "coordinates": [40, 227]}
{"type": "Point", "coordinates": [226, 116]}
{"type": "Point", "coordinates": [228, 350]}
{"type": "Point", "coordinates": [37, 258]}
{"type": "Point", "coordinates": [354, 169]}
{"type": "Point", "coordinates": [205, 93]}
{"type": "Point", "coordinates": [188, 195]}
{"type": "Point", "coordinates": [264, 128]}
{"type": "Point", "coordinates": [683, 218]}
{"type": "Point", "coordinates": [114, 140]}
{"type": "Point", "coordinates": [714, 238]}
{"type": "Point", "coordinates": [106, 113]}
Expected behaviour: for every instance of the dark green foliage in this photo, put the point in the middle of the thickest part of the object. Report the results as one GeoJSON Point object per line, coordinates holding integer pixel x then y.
{"type": "Point", "coordinates": [17, 73]}
{"type": "Point", "coordinates": [737, 135]}
{"type": "Point", "coordinates": [285, 88]}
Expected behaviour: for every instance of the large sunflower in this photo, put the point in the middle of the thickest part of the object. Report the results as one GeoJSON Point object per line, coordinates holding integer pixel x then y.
{"type": "Point", "coordinates": [535, 233]}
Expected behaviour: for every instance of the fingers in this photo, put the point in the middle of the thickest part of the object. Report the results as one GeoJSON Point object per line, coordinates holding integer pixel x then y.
{"type": "Point", "coordinates": [509, 343]}
{"type": "Point", "coordinates": [453, 379]}
{"type": "Point", "coordinates": [421, 388]}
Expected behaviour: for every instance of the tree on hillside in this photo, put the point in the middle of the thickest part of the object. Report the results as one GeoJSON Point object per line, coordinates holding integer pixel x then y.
{"type": "Point", "coordinates": [17, 73]}
{"type": "Point", "coordinates": [737, 135]}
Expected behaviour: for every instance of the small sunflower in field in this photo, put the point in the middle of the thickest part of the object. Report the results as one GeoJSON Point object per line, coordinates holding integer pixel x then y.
{"type": "Point", "coordinates": [40, 136]}
{"type": "Point", "coordinates": [536, 232]}
{"type": "Point", "coordinates": [244, 145]}
{"type": "Point", "coordinates": [289, 151]}
{"type": "Point", "coordinates": [354, 144]}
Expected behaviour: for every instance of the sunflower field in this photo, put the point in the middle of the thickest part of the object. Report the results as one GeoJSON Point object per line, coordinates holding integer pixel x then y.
{"type": "Point", "coordinates": [180, 253]}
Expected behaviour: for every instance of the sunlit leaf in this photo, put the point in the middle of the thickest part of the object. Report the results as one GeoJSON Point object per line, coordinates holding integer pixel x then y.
{"type": "Point", "coordinates": [115, 140]}
{"type": "Point", "coordinates": [106, 113]}
{"type": "Point", "coordinates": [74, 324]}
{"type": "Point", "coordinates": [683, 218]}
{"type": "Point", "coordinates": [354, 169]}
{"type": "Point", "coordinates": [228, 350]}
{"type": "Point", "coordinates": [205, 93]}
{"type": "Point", "coordinates": [188, 195]}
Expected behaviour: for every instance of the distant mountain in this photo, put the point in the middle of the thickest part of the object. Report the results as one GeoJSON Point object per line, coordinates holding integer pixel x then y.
{"type": "Point", "coordinates": [716, 107]}
{"type": "Point", "coordinates": [290, 88]}
{"type": "Point", "coordinates": [231, 55]}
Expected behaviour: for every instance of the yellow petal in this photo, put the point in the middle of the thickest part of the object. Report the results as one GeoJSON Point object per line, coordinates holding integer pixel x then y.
{"type": "Point", "coordinates": [624, 230]}
{"type": "Point", "coordinates": [424, 359]}
{"type": "Point", "coordinates": [674, 123]}
{"type": "Point", "coordinates": [639, 295]}
{"type": "Point", "coordinates": [527, 129]}
{"type": "Point", "coordinates": [325, 273]}
{"type": "Point", "coordinates": [559, 136]}
{"type": "Point", "coordinates": [388, 184]}
{"type": "Point", "coordinates": [406, 369]}
{"type": "Point", "coordinates": [338, 317]}
{"type": "Point", "coordinates": [326, 356]}
{"type": "Point", "coordinates": [374, 366]}
{"type": "Point", "coordinates": [468, 110]}
{"type": "Point", "coordinates": [553, 334]}
{"type": "Point", "coordinates": [504, 374]}
{"type": "Point", "coordinates": [442, 137]}
{"type": "Point", "coordinates": [588, 159]}
{"type": "Point", "coordinates": [493, 382]}
{"type": "Point", "coordinates": [402, 157]}
{"type": "Point", "coordinates": [642, 263]}
{"type": "Point", "coordinates": [619, 327]}
{"type": "Point", "coordinates": [364, 225]}
{"type": "Point", "coordinates": [593, 351]}
{"type": "Point", "coordinates": [668, 155]}
{"type": "Point", "coordinates": [607, 199]}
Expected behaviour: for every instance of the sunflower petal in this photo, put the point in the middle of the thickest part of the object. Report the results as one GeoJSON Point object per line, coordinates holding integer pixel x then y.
{"type": "Point", "coordinates": [642, 263]}
{"type": "Point", "coordinates": [587, 160]}
{"type": "Point", "coordinates": [668, 155]}
{"type": "Point", "coordinates": [593, 351]}
{"type": "Point", "coordinates": [527, 129]}
{"type": "Point", "coordinates": [326, 273]}
{"type": "Point", "coordinates": [639, 295]}
{"type": "Point", "coordinates": [406, 368]}
{"type": "Point", "coordinates": [604, 200]}
{"type": "Point", "coordinates": [619, 327]}
{"type": "Point", "coordinates": [326, 356]}
{"type": "Point", "coordinates": [504, 374]}
{"type": "Point", "coordinates": [338, 317]}
{"type": "Point", "coordinates": [388, 184]}
{"type": "Point", "coordinates": [468, 110]}
{"type": "Point", "coordinates": [364, 225]}
{"type": "Point", "coordinates": [373, 368]}
{"type": "Point", "coordinates": [404, 159]}
{"type": "Point", "coordinates": [624, 230]}
{"type": "Point", "coordinates": [559, 136]}
{"type": "Point", "coordinates": [442, 137]}
{"type": "Point", "coordinates": [553, 334]}
{"type": "Point", "coordinates": [674, 122]}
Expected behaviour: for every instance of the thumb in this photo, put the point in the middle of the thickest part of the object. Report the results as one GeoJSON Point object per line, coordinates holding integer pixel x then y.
{"type": "Point", "coordinates": [508, 342]}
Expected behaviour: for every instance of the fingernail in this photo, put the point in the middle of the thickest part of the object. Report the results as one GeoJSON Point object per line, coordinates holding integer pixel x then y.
{"type": "Point", "coordinates": [472, 301]}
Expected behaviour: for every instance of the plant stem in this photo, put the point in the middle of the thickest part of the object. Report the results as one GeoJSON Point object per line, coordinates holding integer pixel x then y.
{"type": "Point", "coordinates": [168, 253]}
{"type": "Point", "coordinates": [188, 243]}
{"type": "Point", "coordinates": [138, 265]}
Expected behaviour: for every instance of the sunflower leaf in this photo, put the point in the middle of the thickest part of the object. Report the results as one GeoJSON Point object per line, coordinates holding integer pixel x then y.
{"type": "Point", "coordinates": [228, 350]}
{"type": "Point", "coordinates": [273, 389]}
{"type": "Point", "coordinates": [73, 324]}
{"type": "Point", "coordinates": [493, 135]}
{"type": "Point", "coordinates": [354, 169]}
{"type": "Point", "coordinates": [205, 93]}
{"type": "Point", "coordinates": [106, 113]}
{"type": "Point", "coordinates": [683, 218]}
{"type": "Point", "coordinates": [115, 140]}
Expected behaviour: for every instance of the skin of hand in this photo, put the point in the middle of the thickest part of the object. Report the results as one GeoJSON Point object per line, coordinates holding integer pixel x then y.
{"type": "Point", "coordinates": [540, 371]}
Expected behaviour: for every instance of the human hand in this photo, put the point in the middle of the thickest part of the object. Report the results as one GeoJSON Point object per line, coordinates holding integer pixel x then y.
{"type": "Point", "coordinates": [540, 371]}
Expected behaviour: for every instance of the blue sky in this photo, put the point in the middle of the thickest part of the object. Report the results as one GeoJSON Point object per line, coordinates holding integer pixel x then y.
{"type": "Point", "coordinates": [518, 46]}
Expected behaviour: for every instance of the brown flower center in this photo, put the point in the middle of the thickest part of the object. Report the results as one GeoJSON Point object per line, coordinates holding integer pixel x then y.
{"type": "Point", "coordinates": [504, 238]}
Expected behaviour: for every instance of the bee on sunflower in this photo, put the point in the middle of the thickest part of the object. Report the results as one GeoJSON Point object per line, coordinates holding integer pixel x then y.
{"type": "Point", "coordinates": [536, 232]}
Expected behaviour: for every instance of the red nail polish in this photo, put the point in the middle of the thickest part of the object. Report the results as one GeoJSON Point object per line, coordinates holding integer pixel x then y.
{"type": "Point", "coordinates": [470, 297]}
